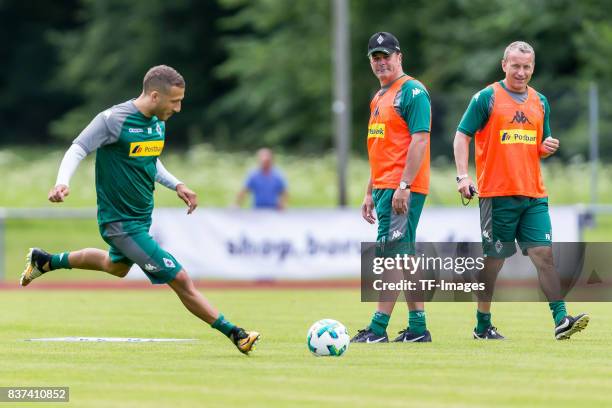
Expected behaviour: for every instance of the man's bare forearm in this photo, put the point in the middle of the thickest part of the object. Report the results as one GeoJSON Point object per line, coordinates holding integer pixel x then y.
{"type": "Point", "coordinates": [415, 156]}
{"type": "Point", "coordinates": [461, 147]}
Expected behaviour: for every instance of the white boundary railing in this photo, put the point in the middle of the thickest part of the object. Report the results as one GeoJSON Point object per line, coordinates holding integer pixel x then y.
{"type": "Point", "coordinates": [586, 218]}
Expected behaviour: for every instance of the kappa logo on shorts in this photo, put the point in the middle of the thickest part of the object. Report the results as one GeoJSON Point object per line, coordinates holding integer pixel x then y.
{"type": "Point", "coordinates": [396, 234]}
{"type": "Point", "coordinates": [169, 263]}
{"type": "Point", "coordinates": [150, 268]}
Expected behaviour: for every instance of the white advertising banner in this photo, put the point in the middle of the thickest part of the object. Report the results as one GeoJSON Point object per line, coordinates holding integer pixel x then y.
{"type": "Point", "coordinates": [301, 244]}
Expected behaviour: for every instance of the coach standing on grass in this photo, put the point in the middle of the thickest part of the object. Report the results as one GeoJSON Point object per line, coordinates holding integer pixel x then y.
{"type": "Point", "coordinates": [398, 151]}
{"type": "Point", "coordinates": [510, 123]}
{"type": "Point", "coordinates": [128, 140]}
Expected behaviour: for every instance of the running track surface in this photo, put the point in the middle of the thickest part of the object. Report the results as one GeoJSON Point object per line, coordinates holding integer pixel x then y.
{"type": "Point", "coordinates": [242, 284]}
{"type": "Point", "coordinates": [221, 284]}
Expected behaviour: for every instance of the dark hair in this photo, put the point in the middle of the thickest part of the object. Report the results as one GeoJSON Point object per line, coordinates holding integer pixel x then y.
{"type": "Point", "coordinates": [162, 78]}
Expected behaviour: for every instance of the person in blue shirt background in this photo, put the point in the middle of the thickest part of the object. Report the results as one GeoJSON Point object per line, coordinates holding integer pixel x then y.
{"type": "Point", "coordinates": [265, 183]}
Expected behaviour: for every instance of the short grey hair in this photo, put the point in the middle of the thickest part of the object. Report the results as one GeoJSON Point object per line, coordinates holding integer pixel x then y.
{"type": "Point", "coordinates": [521, 46]}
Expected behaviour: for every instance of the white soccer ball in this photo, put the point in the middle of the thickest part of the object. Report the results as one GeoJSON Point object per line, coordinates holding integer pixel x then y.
{"type": "Point", "coordinates": [328, 337]}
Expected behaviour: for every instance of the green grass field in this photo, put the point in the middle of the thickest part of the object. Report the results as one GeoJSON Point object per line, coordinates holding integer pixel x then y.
{"type": "Point", "coordinates": [528, 369]}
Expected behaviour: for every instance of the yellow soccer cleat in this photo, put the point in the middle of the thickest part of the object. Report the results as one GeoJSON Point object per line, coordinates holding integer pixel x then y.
{"type": "Point", "coordinates": [244, 340]}
{"type": "Point", "coordinates": [36, 259]}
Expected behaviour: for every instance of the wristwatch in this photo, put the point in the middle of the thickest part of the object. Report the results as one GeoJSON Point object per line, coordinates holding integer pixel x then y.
{"type": "Point", "coordinates": [461, 177]}
{"type": "Point", "coordinates": [404, 186]}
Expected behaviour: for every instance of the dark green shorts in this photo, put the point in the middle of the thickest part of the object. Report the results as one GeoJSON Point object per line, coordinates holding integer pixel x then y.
{"type": "Point", "coordinates": [394, 229]}
{"type": "Point", "coordinates": [130, 243]}
{"type": "Point", "coordinates": [506, 219]}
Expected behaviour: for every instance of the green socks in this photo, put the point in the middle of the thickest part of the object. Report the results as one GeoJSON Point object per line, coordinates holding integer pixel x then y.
{"type": "Point", "coordinates": [59, 261]}
{"type": "Point", "coordinates": [224, 326]}
{"type": "Point", "coordinates": [558, 310]}
{"type": "Point", "coordinates": [483, 321]}
{"type": "Point", "coordinates": [416, 321]}
{"type": "Point", "coordinates": [379, 323]}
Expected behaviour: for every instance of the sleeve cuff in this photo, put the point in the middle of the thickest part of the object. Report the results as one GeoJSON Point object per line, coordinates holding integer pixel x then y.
{"type": "Point", "coordinates": [466, 132]}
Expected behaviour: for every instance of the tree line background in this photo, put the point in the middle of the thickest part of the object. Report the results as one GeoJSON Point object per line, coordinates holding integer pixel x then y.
{"type": "Point", "coordinates": [259, 72]}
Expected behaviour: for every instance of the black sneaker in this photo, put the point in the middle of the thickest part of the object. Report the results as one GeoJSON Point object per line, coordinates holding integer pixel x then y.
{"type": "Point", "coordinates": [36, 259]}
{"type": "Point", "coordinates": [406, 336]}
{"type": "Point", "coordinates": [490, 333]}
{"type": "Point", "coordinates": [244, 340]}
{"type": "Point", "coordinates": [570, 325]}
{"type": "Point", "coordinates": [368, 336]}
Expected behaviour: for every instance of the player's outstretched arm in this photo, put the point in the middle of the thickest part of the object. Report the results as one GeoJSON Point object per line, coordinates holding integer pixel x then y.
{"type": "Point", "coordinates": [57, 193]}
{"type": "Point", "coordinates": [165, 178]}
{"type": "Point", "coordinates": [69, 164]}
{"type": "Point", "coordinates": [189, 197]}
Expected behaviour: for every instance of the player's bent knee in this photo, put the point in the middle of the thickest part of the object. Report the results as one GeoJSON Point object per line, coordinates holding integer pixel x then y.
{"type": "Point", "coordinates": [119, 270]}
{"type": "Point", "coordinates": [182, 281]}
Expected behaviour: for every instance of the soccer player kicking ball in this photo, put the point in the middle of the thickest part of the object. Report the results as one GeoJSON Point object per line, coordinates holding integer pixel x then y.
{"type": "Point", "coordinates": [128, 139]}
{"type": "Point", "coordinates": [510, 122]}
{"type": "Point", "coordinates": [398, 151]}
